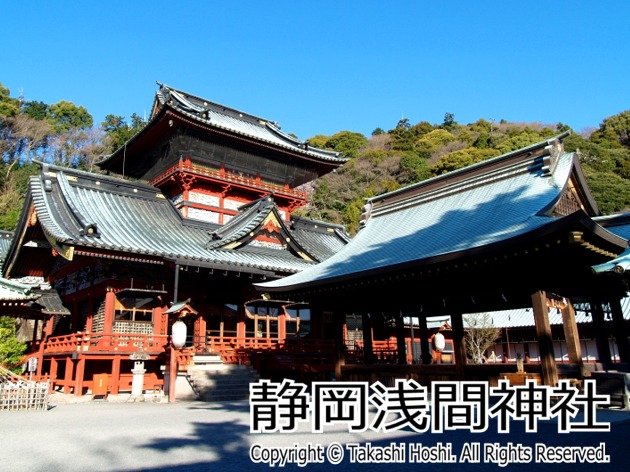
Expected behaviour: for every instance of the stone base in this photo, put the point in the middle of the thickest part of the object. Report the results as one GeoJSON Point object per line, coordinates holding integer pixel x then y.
{"type": "Point", "coordinates": [136, 398]}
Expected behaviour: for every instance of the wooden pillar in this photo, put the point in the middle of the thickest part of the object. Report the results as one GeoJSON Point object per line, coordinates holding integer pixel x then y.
{"type": "Point", "coordinates": [368, 350]}
{"type": "Point", "coordinates": [601, 333]}
{"type": "Point", "coordinates": [572, 338]}
{"type": "Point", "coordinates": [115, 383]}
{"type": "Point", "coordinates": [425, 348]}
{"type": "Point", "coordinates": [158, 321]}
{"type": "Point", "coordinates": [282, 325]}
{"type": "Point", "coordinates": [172, 374]}
{"type": "Point", "coordinates": [401, 345]}
{"type": "Point", "coordinates": [110, 308]}
{"type": "Point", "coordinates": [240, 326]}
{"type": "Point", "coordinates": [35, 330]}
{"type": "Point", "coordinates": [90, 315]}
{"type": "Point", "coordinates": [621, 331]}
{"type": "Point", "coordinates": [317, 321]}
{"type": "Point", "coordinates": [545, 343]}
{"type": "Point", "coordinates": [78, 378]}
{"type": "Point", "coordinates": [47, 332]}
{"type": "Point", "coordinates": [201, 334]}
{"type": "Point", "coordinates": [53, 373]}
{"type": "Point", "coordinates": [67, 377]}
{"type": "Point", "coordinates": [74, 324]}
{"type": "Point", "coordinates": [459, 341]}
{"type": "Point", "coordinates": [339, 326]}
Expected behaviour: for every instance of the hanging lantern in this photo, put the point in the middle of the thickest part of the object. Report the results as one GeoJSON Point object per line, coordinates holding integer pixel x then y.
{"type": "Point", "coordinates": [178, 334]}
{"type": "Point", "coordinates": [439, 342]}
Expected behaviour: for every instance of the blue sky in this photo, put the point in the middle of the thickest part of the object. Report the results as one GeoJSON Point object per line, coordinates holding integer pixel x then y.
{"type": "Point", "coordinates": [321, 67]}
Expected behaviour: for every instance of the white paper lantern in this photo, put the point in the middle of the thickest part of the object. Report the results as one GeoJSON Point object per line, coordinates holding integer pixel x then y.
{"type": "Point", "coordinates": [438, 342]}
{"type": "Point", "coordinates": [178, 334]}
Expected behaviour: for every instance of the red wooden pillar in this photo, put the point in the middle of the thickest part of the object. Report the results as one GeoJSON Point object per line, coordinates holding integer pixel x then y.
{"type": "Point", "coordinates": [240, 326]}
{"type": "Point", "coordinates": [158, 321]}
{"type": "Point", "coordinates": [545, 343]}
{"type": "Point", "coordinates": [200, 335]}
{"type": "Point", "coordinates": [115, 384]}
{"type": "Point", "coordinates": [53, 373]}
{"type": "Point", "coordinates": [78, 380]}
{"type": "Point", "coordinates": [172, 374]}
{"type": "Point", "coordinates": [282, 325]}
{"type": "Point", "coordinates": [90, 315]}
{"type": "Point", "coordinates": [110, 308]}
{"type": "Point", "coordinates": [67, 378]}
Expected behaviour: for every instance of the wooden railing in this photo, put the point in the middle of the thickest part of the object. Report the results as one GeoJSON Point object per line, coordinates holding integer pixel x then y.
{"type": "Point", "coordinates": [230, 177]}
{"type": "Point", "coordinates": [99, 342]}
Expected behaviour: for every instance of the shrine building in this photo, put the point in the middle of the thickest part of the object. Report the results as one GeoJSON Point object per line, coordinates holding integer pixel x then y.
{"type": "Point", "coordinates": [518, 231]}
{"type": "Point", "coordinates": [187, 215]}
{"type": "Point", "coordinates": [185, 253]}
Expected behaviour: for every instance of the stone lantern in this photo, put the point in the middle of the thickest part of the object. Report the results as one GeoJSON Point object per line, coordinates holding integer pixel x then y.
{"type": "Point", "coordinates": [138, 371]}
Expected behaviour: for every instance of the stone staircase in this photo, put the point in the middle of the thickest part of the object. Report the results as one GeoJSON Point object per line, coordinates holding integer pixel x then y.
{"type": "Point", "coordinates": [212, 380]}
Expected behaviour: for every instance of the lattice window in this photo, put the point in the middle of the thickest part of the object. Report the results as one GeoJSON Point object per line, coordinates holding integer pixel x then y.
{"type": "Point", "coordinates": [132, 327]}
{"type": "Point", "coordinates": [567, 204]}
{"type": "Point", "coordinates": [98, 321]}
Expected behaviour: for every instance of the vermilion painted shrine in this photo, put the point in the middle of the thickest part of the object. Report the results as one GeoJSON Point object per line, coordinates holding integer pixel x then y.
{"type": "Point", "coordinates": [196, 230]}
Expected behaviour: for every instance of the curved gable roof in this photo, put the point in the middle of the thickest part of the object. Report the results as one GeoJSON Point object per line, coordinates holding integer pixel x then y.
{"type": "Point", "coordinates": [96, 213]}
{"type": "Point", "coordinates": [211, 115]}
{"type": "Point", "coordinates": [469, 209]}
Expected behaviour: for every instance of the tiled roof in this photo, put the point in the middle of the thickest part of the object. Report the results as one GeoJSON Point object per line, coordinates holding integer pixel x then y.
{"type": "Point", "coordinates": [49, 303]}
{"type": "Point", "coordinates": [239, 122]}
{"type": "Point", "coordinates": [618, 265]}
{"type": "Point", "coordinates": [525, 317]}
{"type": "Point", "coordinates": [95, 211]}
{"type": "Point", "coordinates": [504, 197]}
{"type": "Point", "coordinates": [617, 224]}
{"type": "Point", "coordinates": [15, 291]}
{"type": "Point", "coordinates": [6, 237]}
{"type": "Point", "coordinates": [320, 238]}
{"type": "Point", "coordinates": [522, 317]}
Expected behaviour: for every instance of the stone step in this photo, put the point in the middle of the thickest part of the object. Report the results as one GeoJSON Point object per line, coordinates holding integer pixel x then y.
{"type": "Point", "coordinates": [229, 383]}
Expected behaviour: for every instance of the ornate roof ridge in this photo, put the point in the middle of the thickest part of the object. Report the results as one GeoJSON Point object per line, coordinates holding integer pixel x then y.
{"type": "Point", "coordinates": [503, 163]}
{"type": "Point", "coordinates": [200, 112]}
{"type": "Point", "coordinates": [182, 97]}
{"type": "Point", "coordinates": [243, 223]}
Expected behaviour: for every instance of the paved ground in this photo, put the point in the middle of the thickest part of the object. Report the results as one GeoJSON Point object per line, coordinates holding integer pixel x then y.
{"type": "Point", "coordinates": [195, 436]}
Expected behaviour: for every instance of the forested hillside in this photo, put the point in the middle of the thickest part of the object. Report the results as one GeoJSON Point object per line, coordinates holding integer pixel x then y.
{"type": "Point", "coordinates": [65, 135]}
{"type": "Point", "coordinates": [411, 153]}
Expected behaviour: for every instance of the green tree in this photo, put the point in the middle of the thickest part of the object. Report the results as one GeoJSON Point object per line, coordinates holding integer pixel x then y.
{"type": "Point", "coordinates": [611, 192]}
{"type": "Point", "coordinates": [319, 141]}
{"type": "Point", "coordinates": [434, 139]}
{"type": "Point", "coordinates": [11, 349]}
{"type": "Point", "coordinates": [449, 123]}
{"type": "Point", "coordinates": [35, 110]}
{"type": "Point", "coordinates": [347, 142]}
{"type": "Point", "coordinates": [8, 106]}
{"type": "Point", "coordinates": [614, 132]}
{"type": "Point", "coordinates": [118, 131]}
{"type": "Point", "coordinates": [66, 116]}
{"type": "Point", "coordinates": [458, 159]}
